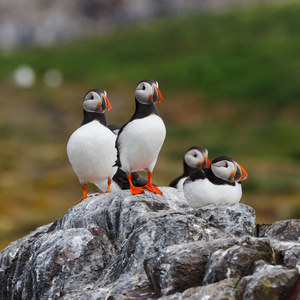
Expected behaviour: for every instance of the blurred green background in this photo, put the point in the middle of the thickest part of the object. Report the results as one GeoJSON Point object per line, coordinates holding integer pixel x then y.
{"type": "Point", "coordinates": [230, 82]}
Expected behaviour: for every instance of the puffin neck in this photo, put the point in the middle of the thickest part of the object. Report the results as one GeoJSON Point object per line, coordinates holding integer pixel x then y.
{"type": "Point", "coordinates": [144, 110]}
{"type": "Point", "coordinates": [216, 180]}
{"type": "Point", "coordinates": [187, 170]}
{"type": "Point", "coordinates": [92, 116]}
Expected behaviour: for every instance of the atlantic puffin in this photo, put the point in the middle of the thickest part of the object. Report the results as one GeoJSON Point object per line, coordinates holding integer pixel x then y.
{"type": "Point", "coordinates": [195, 158]}
{"type": "Point", "coordinates": [91, 148]}
{"type": "Point", "coordinates": [139, 141]}
{"type": "Point", "coordinates": [220, 183]}
{"type": "Point", "coordinates": [120, 181]}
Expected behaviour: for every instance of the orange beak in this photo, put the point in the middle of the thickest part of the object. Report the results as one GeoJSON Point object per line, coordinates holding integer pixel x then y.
{"type": "Point", "coordinates": [157, 96]}
{"type": "Point", "coordinates": [108, 106]}
{"type": "Point", "coordinates": [206, 161]}
{"type": "Point", "coordinates": [240, 173]}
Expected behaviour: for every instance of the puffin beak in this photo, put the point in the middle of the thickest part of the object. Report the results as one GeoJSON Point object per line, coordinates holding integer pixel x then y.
{"type": "Point", "coordinates": [206, 162]}
{"type": "Point", "coordinates": [157, 96]}
{"type": "Point", "coordinates": [240, 173]}
{"type": "Point", "coordinates": [108, 106]}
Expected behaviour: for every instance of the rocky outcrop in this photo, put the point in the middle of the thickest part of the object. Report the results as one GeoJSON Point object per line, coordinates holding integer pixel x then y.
{"type": "Point", "coordinates": [118, 246]}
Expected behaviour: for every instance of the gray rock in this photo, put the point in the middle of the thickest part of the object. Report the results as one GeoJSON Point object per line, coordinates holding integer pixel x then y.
{"type": "Point", "coordinates": [118, 246]}
{"type": "Point", "coordinates": [236, 219]}
{"type": "Point", "coordinates": [98, 247]}
{"type": "Point", "coordinates": [179, 267]}
{"type": "Point", "coordinates": [291, 257]}
{"type": "Point", "coordinates": [285, 239]}
{"type": "Point", "coordinates": [268, 283]}
{"type": "Point", "coordinates": [224, 289]}
{"type": "Point", "coordinates": [238, 260]}
{"type": "Point", "coordinates": [288, 230]}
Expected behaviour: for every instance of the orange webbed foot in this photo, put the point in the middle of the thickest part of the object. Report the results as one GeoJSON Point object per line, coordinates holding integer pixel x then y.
{"type": "Point", "coordinates": [83, 199]}
{"type": "Point", "coordinates": [135, 190]}
{"type": "Point", "coordinates": [153, 189]}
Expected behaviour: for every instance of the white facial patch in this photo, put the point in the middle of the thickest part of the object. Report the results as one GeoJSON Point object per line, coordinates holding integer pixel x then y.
{"type": "Point", "coordinates": [142, 93]}
{"type": "Point", "coordinates": [193, 157]}
{"type": "Point", "coordinates": [223, 169]}
{"type": "Point", "coordinates": [91, 101]}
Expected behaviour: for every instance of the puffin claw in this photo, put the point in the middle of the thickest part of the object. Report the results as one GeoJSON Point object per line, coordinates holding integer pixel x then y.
{"type": "Point", "coordinates": [135, 190]}
{"type": "Point", "coordinates": [153, 189]}
{"type": "Point", "coordinates": [80, 200]}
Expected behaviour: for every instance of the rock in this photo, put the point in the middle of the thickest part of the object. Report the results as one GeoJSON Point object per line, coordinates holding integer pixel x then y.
{"type": "Point", "coordinates": [285, 238]}
{"type": "Point", "coordinates": [237, 261]}
{"type": "Point", "coordinates": [118, 246]}
{"type": "Point", "coordinates": [97, 247]}
{"type": "Point", "coordinates": [291, 257]}
{"type": "Point", "coordinates": [288, 230]}
{"type": "Point", "coordinates": [237, 219]}
{"type": "Point", "coordinates": [268, 283]}
{"type": "Point", "coordinates": [179, 267]}
{"type": "Point", "coordinates": [224, 289]}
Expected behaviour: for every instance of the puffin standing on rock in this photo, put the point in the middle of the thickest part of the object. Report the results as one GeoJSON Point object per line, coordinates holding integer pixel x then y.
{"type": "Point", "coordinates": [195, 158]}
{"type": "Point", "coordinates": [141, 138]}
{"type": "Point", "coordinates": [91, 148]}
{"type": "Point", "coordinates": [220, 183]}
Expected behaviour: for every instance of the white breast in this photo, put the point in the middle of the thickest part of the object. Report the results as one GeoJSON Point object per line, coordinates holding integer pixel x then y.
{"type": "Point", "coordinates": [92, 153]}
{"type": "Point", "coordinates": [140, 142]}
{"type": "Point", "coordinates": [202, 192]}
{"type": "Point", "coordinates": [180, 182]}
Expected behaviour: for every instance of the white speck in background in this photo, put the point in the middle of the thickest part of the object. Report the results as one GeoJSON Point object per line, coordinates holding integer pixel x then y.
{"type": "Point", "coordinates": [53, 78]}
{"type": "Point", "coordinates": [24, 76]}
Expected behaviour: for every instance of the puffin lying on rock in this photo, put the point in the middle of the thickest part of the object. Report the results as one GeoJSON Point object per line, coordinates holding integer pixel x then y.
{"type": "Point", "coordinates": [91, 148]}
{"type": "Point", "coordinates": [139, 141]}
{"type": "Point", "coordinates": [220, 183]}
{"type": "Point", "coordinates": [195, 158]}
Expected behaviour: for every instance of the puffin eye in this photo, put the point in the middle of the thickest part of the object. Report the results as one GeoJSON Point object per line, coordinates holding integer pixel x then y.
{"type": "Point", "coordinates": [226, 165]}
{"type": "Point", "coordinates": [143, 88]}
{"type": "Point", "coordinates": [92, 97]}
{"type": "Point", "coordinates": [195, 155]}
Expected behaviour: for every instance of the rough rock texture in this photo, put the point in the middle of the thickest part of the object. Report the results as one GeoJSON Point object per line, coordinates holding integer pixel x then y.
{"type": "Point", "coordinates": [268, 283]}
{"type": "Point", "coordinates": [237, 220]}
{"type": "Point", "coordinates": [118, 246]}
{"type": "Point", "coordinates": [285, 239]}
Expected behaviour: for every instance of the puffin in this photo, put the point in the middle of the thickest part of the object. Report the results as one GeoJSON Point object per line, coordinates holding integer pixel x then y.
{"type": "Point", "coordinates": [120, 181]}
{"type": "Point", "coordinates": [220, 183]}
{"type": "Point", "coordinates": [91, 148]}
{"type": "Point", "coordinates": [195, 158]}
{"type": "Point", "coordinates": [140, 139]}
